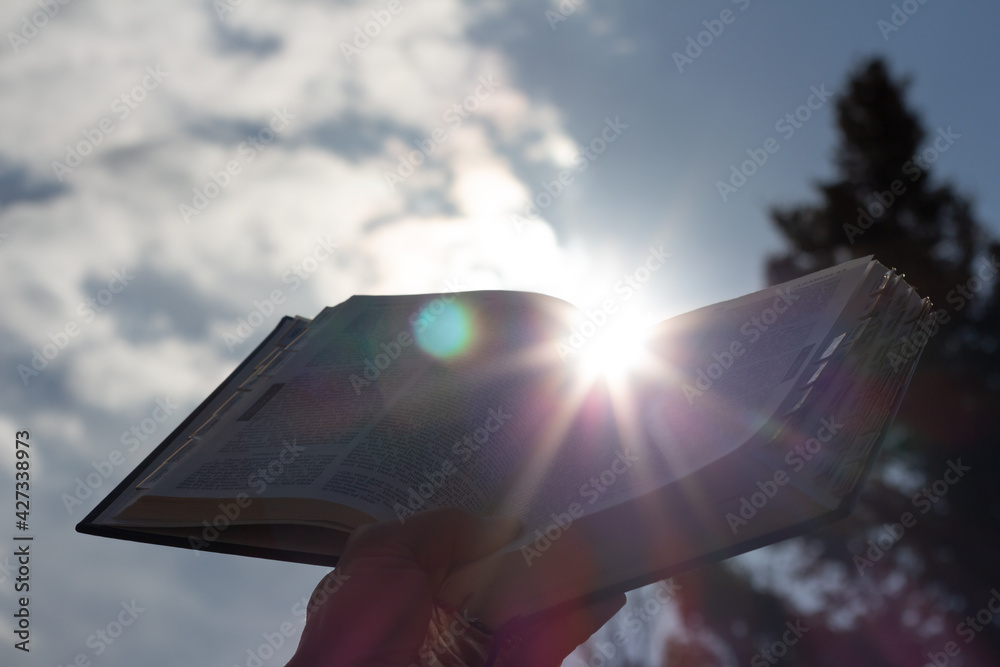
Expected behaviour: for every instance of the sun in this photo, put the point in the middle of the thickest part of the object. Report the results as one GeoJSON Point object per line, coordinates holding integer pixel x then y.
{"type": "Point", "coordinates": [616, 352]}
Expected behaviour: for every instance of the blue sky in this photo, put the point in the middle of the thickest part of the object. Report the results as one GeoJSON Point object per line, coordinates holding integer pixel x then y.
{"type": "Point", "coordinates": [328, 127]}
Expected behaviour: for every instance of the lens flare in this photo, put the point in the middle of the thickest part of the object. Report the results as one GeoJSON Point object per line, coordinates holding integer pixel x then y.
{"type": "Point", "coordinates": [442, 329]}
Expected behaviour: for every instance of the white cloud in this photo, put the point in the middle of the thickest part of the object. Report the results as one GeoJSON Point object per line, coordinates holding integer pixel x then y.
{"type": "Point", "coordinates": [116, 376]}
{"type": "Point", "coordinates": [322, 178]}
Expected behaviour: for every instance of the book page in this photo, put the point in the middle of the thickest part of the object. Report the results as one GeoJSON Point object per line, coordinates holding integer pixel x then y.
{"type": "Point", "coordinates": [395, 405]}
{"type": "Point", "coordinates": [733, 364]}
{"type": "Point", "coordinates": [856, 389]}
{"type": "Point", "coordinates": [179, 444]}
{"type": "Point", "coordinates": [715, 378]}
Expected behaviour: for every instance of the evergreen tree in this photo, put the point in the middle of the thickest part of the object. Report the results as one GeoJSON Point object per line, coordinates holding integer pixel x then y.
{"type": "Point", "coordinates": [908, 603]}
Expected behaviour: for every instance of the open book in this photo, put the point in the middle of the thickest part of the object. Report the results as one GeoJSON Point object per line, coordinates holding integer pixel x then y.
{"type": "Point", "coordinates": [740, 424]}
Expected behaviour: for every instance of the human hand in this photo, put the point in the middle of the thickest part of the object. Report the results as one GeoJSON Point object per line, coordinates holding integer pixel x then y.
{"type": "Point", "coordinates": [379, 612]}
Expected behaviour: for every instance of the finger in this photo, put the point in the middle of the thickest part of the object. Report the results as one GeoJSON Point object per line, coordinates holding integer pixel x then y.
{"type": "Point", "coordinates": [548, 644]}
{"type": "Point", "coordinates": [434, 539]}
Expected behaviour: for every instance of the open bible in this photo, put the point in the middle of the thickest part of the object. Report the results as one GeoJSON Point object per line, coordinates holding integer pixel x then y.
{"type": "Point", "coordinates": [737, 425]}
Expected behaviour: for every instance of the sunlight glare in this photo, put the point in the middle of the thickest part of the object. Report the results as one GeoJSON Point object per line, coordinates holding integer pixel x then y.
{"type": "Point", "coordinates": [615, 353]}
